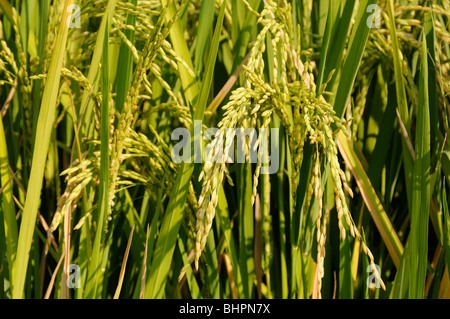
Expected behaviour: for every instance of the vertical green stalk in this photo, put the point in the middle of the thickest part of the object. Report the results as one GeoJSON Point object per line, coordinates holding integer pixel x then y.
{"type": "Point", "coordinates": [282, 214]}
{"type": "Point", "coordinates": [432, 92]}
{"type": "Point", "coordinates": [7, 205]}
{"type": "Point", "coordinates": [244, 193]}
{"type": "Point", "coordinates": [242, 30]}
{"type": "Point", "coordinates": [44, 129]}
{"type": "Point", "coordinates": [43, 12]}
{"type": "Point", "coordinates": [171, 223]}
{"type": "Point", "coordinates": [356, 47]}
{"type": "Point", "coordinates": [125, 65]}
{"type": "Point", "coordinates": [281, 147]}
{"type": "Point", "coordinates": [401, 98]}
{"type": "Point", "coordinates": [335, 34]}
{"type": "Point", "coordinates": [345, 271]}
{"type": "Point", "coordinates": [421, 186]}
{"type": "Point", "coordinates": [93, 75]}
{"type": "Point", "coordinates": [211, 259]}
{"type": "Point", "coordinates": [104, 209]}
{"type": "Point", "coordinates": [447, 225]}
{"type": "Point", "coordinates": [205, 23]}
{"type": "Point", "coordinates": [225, 224]}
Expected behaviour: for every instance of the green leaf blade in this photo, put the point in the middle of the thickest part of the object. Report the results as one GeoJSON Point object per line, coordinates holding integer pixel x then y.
{"type": "Point", "coordinates": [421, 186]}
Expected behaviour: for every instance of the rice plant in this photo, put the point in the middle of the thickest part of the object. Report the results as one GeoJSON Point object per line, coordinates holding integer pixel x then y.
{"type": "Point", "coordinates": [224, 149]}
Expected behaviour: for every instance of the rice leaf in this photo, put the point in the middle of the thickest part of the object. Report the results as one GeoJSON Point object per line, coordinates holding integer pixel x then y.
{"type": "Point", "coordinates": [7, 204]}
{"type": "Point", "coordinates": [104, 209]}
{"type": "Point", "coordinates": [205, 23]}
{"type": "Point", "coordinates": [358, 40]}
{"type": "Point", "coordinates": [401, 98]}
{"type": "Point", "coordinates": [44, 129]}
{"type": "Point", "coordinates": [421, 186]}
{"type": "Point", "coordinates": [125, 63]}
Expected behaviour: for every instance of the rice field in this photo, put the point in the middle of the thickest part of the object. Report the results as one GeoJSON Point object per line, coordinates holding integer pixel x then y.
{"type": "Point", "coordinates": [224, 149]}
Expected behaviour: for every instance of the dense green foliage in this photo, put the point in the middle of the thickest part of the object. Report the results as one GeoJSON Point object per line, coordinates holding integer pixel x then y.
{"type": "Point", "coordinates": [355, 95]}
